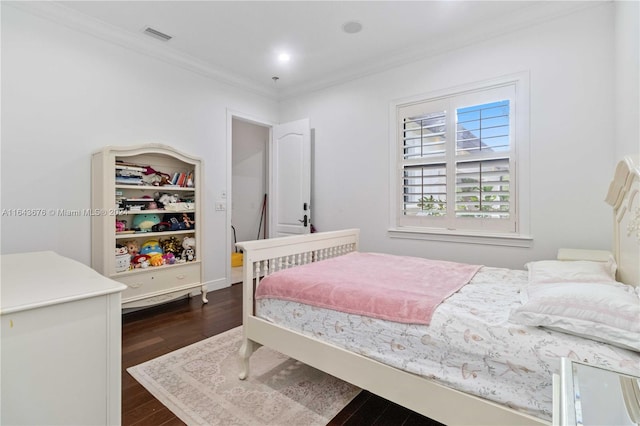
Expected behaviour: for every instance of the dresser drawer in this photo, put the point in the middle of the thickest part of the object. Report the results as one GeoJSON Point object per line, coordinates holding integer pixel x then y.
{"type": "Point", "coordinates": [161, 280]}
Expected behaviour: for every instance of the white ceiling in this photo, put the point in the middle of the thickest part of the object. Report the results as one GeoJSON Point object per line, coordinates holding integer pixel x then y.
{"type": "Point", "coordinates": [238, 41]}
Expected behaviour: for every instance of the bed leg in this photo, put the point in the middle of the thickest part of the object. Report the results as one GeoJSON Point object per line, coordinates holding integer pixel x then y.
{"type": "Point", "coordinates": [247, 348]}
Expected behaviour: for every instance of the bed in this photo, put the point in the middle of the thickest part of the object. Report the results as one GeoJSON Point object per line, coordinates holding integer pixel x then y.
{"type": "Point", "coordinates": [482, 357]}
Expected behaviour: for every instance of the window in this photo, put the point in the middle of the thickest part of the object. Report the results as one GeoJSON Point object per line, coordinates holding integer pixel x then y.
{"type": "Point", "coordinates": [457, 163]}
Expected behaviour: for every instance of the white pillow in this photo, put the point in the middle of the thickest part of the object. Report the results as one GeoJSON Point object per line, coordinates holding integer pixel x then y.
{"type": "Point", "coordinates": [585, 271]}
{"type": "Point", "coordinates": [605, 312]}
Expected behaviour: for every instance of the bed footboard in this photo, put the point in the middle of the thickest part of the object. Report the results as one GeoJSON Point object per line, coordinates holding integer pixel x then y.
{"type": "Point", "coordinates": [264, 257]}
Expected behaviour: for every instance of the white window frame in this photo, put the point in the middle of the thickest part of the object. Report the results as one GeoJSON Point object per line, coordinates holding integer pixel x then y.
{"type": "Point", "coordinates": [520, 196]}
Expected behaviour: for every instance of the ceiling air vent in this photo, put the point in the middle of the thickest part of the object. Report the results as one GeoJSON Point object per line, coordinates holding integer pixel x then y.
{"type": "Point", "coordinates": [157, 34]}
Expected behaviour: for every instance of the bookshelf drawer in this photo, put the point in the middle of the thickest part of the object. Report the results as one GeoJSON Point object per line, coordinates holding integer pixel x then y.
{"type": "Point", "coordinates": [160, 280]}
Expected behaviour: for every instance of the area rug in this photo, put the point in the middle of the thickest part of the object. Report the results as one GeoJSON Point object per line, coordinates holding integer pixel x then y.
{"type": "Point", "coordinates": [199, 384]}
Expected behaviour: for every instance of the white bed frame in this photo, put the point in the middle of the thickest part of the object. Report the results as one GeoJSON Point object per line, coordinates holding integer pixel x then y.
{"type": "Point", "coordinates": [624, 197]}
{"type": "Point", "coordinates": [419, 394]}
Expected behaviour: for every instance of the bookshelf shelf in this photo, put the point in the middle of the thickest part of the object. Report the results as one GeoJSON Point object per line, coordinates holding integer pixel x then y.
{"type": "Point", "coordinates": [165, 188]}
{"type": "Point", "coordinates": [149, 235]}
{"type": "Point", "coordinates": [153, 211]}
{"type": "Point", "coordinates": [133, 209]}
{"type": "Point", "coordinates": [157, 268]}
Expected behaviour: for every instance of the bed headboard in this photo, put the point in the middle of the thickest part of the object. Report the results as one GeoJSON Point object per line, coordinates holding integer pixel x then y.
{"type": "Point", "coordinates": [624, 197]}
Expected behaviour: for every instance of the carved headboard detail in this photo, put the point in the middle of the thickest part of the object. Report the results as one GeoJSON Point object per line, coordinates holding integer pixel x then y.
{"type": "Point", "coordinates": [624, 197]}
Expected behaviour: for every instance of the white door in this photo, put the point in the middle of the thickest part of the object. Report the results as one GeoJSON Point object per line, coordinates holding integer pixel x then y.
{"type": "Point", "coordinates": [291, 187]}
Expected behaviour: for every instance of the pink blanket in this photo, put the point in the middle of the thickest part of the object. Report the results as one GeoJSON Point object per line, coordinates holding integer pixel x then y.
{"type": "Point", "coordinates": [395, 288]}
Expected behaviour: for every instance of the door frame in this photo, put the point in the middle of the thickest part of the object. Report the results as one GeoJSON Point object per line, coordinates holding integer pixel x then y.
{"type": "Point", "coordinates": [231, 115]}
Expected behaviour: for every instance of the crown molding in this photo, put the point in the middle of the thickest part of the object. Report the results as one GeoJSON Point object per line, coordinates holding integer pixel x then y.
{"type": "Point", "coordinates": [139, 43]}
{"type": "Point", "coordinates": [536, 14]}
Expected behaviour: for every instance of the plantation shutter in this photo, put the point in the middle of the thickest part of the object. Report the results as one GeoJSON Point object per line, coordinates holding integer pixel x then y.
{"type": "Point", "coordinates": [424, 174]}
{"type": "Point", "coordinates": [482, 189]}
{"type": "Point", "coordinates": [482, 161]}
{"type": "Point", "coordinates": [456, 168]}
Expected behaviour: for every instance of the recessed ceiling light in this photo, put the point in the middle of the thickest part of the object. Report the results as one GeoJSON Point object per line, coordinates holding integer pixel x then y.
{"type": "Point", "coordinates": [352, 27]}
{"type": "Point", "coordinates": [284, 57]}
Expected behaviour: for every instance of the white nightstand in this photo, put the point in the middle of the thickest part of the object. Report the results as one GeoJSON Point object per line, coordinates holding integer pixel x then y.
{"type": "Point", "coordinates": [588, 395]}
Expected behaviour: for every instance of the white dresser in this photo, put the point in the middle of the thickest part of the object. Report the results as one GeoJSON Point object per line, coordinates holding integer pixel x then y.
{"type": "Point", "coordinates": [60, 345]}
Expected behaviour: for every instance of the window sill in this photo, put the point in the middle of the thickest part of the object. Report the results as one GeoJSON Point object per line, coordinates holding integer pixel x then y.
{"type": "Point", "coordinates": [466, 237]}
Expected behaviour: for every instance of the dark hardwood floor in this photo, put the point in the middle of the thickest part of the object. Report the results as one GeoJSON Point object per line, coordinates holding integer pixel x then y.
{"type": "Point", "coordinates": [155, 331]}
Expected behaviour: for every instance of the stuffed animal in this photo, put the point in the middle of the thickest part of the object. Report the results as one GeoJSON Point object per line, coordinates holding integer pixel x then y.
{"type": "Point", "coordinates": [189, 249]}
{"type": "Point", "coordinates": [179, 222]}
{"type": "Point", "coordinates": [121, 225]}
{"type": "Point", "coordinates": [123, 261]}
{"type": "Point", "coordinates": [165, 181]}
{"type": "Point", "coordinates": [144, 222]}
{"type": "Point", "coordinates": [165, 199]}
{"type": "Point", "coordinates": [189, 254]}
{"type": "Point", "coordinates": [151, 247]}
{"type": "Point", "coordinates": [161, 227]}
{"type": "Point", "coordinates": [132, 247]}
{"type": "Point", "coordinates": [140, 261]}
{"type": "Point", "coordinates": [175, 224]}
{"type": "Point", "coordinates": [171, 245]}
{"type": "Point", "coordinates": [188, 222]}
{"type": "Point", "coordinates": [154, 177]}
{"type": "Point", "coordinates": [156, 259]}
{"type": "Point", "coordinates": [169, 258]}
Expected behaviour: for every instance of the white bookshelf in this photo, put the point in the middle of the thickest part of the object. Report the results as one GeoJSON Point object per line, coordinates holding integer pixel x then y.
{"type": "Point", "coordinates": [114, 201]}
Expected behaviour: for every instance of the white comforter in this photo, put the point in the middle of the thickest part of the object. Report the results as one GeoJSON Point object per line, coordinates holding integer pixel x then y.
{"type": "Point", "coordinates": [470, 345]}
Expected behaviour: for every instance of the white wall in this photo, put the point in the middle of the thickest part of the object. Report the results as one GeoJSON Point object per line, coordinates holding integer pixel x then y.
{"type": "Point", "coordinates": [627, 65]}
{"type": "Point", "coordinates": [66, 94]}
{"type": "Point", "coordinates": [249, 182]}
{"type": "Point", "coordinates": [572, 147]}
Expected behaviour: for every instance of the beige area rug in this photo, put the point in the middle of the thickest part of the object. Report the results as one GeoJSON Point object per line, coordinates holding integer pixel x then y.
{"type": "Point", "coordinates": [199, 383]}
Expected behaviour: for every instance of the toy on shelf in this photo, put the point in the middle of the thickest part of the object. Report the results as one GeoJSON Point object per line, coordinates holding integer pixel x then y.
{"type": "Point", "coordinates": [156, 260]}
{"type": "Point", "coordinates": [169, 258]}
{"type": "Point", "coordinates": [140, 261]}
{"type": "Point", "coordinates": [145, 222]}
{"type": "Point", "coordinates": [154, 177]}
{"type": "Point", "coordinates": [171, 245]}
{"type": "Point", "coordinates": [188, 222]}
{"type": "Point", "coordinates": [153, 249]}
{"type": "Point", "coordinates": [165, 199]}
{"type": "Point", "coordinates": [132, 247]}
{"type": "Point", "coordinates": [123, 260]}
{"type": "Point", "coordinates": [189, 249]}
{"type": "Point", "coordinates": [121, 225]}
{"type": "Point", "coordinates": [180, 222]}
{"type": "Point", "coordinates": [161, 227]}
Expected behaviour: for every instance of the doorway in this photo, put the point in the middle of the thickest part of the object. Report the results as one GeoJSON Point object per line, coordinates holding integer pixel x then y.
{"type": "Point", "coordinates": [270, 174]}
{"type": "Point", "coordinates": [249, 184]}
